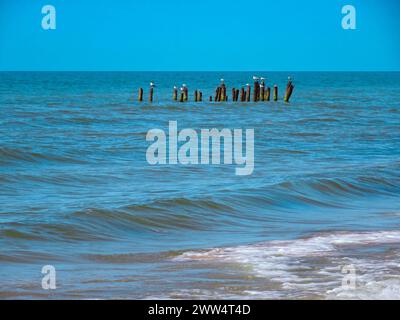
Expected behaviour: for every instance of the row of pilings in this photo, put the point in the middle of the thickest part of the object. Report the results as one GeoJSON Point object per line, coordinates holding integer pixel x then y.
{"type": "Point", "coordinates": [259, 92]}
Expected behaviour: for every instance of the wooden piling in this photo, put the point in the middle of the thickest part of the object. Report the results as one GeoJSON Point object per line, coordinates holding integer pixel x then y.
{"type": "Point", "coordinates": [267, 94]}
{"type": "Point", "coordinates": [140, 97]}
{"type": "Point", "coordinates": [248, 93]}
{"type": "Point", "coordinates": [223, 91]}
{"type": "Point", "coordinates": [233, 94]}
{"type": "Point", "coordinates": [210, 99]}
{"type": "Point", "coordinates": [288, 85]}
{"type": "Point", "coordinates": [175, 94]}
{"type": "Point", "coordinates": [275, 93]}
{"type": "Point", "coordinates": [195, 96]}
{"type": "Point", "coordinates": [242, 95]}
{"type": "Point", "coordinates": [262, 93]}
{"type": "Point", "coordinates": [182, 98]}
{"type": "Point", "coordinates": [237, 94]}
{"type": "Point", "coordinates": [255, 91]}
{"type": "Point", "coordinates": [151, 94]}
{"type": "Point", "coordinates": [217, 94]}
{"type": "Point", "coordinates": [289, 92]}
{"type": "Point", "coordinates": [262, 90]}
{"type": "Point", "coordinates": [186, 94]}
{"type": "Point", "coordinates": [200, 96]}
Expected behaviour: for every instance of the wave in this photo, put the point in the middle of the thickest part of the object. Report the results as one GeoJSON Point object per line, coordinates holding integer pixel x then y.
{"type": "Point", "coordinates": [313, 267]}
{"type": "Point", "coordinates": [10, 155]}
{"type": "Point", "coordinates": [132, 257]}
{"type": "Point", "coordinates": [158, 216]}
{"type": "Point", "coordinates": [240, 210]}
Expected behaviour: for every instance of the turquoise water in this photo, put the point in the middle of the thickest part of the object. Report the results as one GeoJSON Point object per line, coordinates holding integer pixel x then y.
{"type": "Point", "coordinates": [77, 192]}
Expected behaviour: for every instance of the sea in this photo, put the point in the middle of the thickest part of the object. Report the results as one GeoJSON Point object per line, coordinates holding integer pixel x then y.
{"type": "Point", "coordinates": [319, 217]}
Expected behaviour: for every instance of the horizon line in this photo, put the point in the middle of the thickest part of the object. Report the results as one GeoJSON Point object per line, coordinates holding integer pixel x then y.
{"type": "Point", "coordinates": [264, 71]}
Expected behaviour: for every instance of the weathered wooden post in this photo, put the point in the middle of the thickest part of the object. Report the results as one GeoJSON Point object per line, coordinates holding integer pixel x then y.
{"type": "Point", "coordinates": [223, 95]}
{"type": "Point", "coordinates": [200, 96]}
{"type": "Point", "coordinates": [217, 94]}
{"type": "Point", "coordinates": [255, 90]}
{"type": "Point", "coordinates": [289, 90]}
{"type": "Point", "coordinates": [140, 97]}
{"type": "Point", "coordinates": [175, 94]}
{"type": "Point", "coordinates": [237, 94]}
{"type": "Point", "coordinates": [242, 95]}
{"type": "Point", "coordinates": [248, 92]}
{"type": "Point", "coordinates": [186, 92]}
{"type": "Point", "coordinates": [233, 94]}
{"type": "Point", "coordinates": [195, 96]}
{"type": "Point", "coordinates": [151, 91]}
{"type": "Point", "coordinates": [262, 92]}
{"type": "Point", "coordinates": [182, 97]}
{"type": "Point", "coordinates": [267, 94]}
{"type": "Point", "coordinates": [289, 93]}
{"type": "Point", "coordinates": [210, 99]}
{"type": "Point", "coordinates": [288, 84]}
{"type": "Point", "coordinates": [275, 93]}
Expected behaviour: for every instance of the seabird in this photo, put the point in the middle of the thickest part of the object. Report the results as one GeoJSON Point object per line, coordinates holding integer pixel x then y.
{"type": "Point", "coordinates": [152, 84]}
{"type": "Point", "coordinates": [256, 78]}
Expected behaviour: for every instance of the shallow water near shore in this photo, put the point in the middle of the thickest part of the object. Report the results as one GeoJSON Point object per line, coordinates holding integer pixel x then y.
{"type": "Point", "coordinates": [76, 191]}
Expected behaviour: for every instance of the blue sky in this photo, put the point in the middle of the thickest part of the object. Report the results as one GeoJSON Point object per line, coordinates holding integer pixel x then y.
{"type": "Point", "coordinates": [202, 35]}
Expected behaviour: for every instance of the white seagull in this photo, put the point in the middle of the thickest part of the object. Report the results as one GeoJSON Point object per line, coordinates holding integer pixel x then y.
{"type": "Point", "coordinates": [152, 84]}
{"type": "Point", "coordinates": [256, 78]}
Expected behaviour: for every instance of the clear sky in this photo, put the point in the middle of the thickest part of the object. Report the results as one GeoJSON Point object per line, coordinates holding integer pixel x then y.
{"type": "Point", "coordinates": [206, 35]}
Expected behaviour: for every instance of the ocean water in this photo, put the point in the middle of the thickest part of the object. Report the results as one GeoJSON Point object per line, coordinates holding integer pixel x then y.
{"type": "Point", "coordinates": [76, 191]}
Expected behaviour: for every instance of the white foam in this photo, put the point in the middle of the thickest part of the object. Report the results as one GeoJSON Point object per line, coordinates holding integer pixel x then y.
{"type": "Point", "coordinates": [313, 266]}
